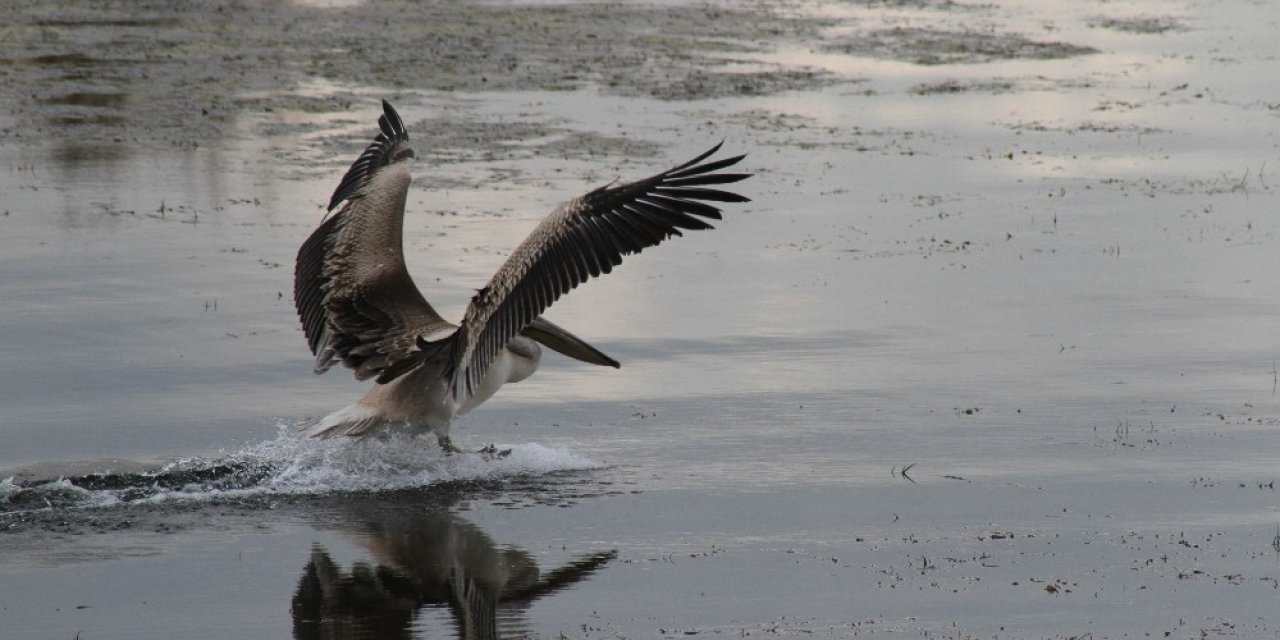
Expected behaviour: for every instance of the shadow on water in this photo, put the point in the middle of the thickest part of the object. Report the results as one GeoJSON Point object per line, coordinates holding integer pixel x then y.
{"type": "Point", "coordinates": [427, 566]}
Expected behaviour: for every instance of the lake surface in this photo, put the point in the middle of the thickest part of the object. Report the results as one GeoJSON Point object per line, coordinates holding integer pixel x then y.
{"type": "Point", "coordinates": [991, 353]}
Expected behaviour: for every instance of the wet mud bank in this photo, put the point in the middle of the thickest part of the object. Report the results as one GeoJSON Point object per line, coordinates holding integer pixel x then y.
{"type": "Point", "coordinates": [180, 73]}
{"type": "Point", "coordinates": [183, 74]}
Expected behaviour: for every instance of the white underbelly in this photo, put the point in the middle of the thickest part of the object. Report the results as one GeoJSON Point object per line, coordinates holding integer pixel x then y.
{"type": "Point", "coordinates": [506, 367]}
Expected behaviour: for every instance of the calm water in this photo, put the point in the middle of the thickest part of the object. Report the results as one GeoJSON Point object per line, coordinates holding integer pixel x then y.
{"type": "Point", "coordinates": [992, 353]}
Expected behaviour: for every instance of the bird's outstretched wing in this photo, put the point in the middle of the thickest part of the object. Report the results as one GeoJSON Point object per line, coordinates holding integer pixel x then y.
{"type": "Point", "coordinates": [352, 291]}
{"type": "Point", "coordinates": [581, 239]}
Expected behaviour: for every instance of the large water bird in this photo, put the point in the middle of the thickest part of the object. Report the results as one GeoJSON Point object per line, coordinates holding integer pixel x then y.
{"type": "Point", "coordinates": [359, 306]}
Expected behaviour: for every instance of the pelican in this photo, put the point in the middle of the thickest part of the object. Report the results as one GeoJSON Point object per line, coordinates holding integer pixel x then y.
{"type": "Point", "coordinates": [359, 306]}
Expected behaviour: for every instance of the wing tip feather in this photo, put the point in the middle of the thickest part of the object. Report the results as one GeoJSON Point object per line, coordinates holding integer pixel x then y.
{"type": "Point", "coordinates": [379, 153]}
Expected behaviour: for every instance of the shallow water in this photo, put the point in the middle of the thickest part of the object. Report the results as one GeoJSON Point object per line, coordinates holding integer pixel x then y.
{"type": "Point", "coordinates": [992, 352]}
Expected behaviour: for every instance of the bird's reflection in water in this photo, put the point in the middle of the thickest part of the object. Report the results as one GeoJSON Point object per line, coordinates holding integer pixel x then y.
{"type": "Point", "coordinates": [425, 562]}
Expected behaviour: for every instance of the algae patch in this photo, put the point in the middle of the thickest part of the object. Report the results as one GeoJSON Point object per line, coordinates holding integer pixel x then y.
{"type": "Point", "coordinates": [938, 46]}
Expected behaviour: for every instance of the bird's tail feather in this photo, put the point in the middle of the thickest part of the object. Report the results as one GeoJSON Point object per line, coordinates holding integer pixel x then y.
{"type": "Point", "coordinates": [354, 420]}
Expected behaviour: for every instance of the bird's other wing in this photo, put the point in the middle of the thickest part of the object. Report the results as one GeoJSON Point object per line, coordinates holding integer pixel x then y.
{"type": "Point", "coordinates": [351, 288]}
{"type": "Point", "coordinates": [581, 239]}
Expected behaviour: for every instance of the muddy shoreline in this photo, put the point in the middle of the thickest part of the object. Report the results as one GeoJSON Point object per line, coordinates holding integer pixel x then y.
{"type": "Point", "coordinates": [182, 73]}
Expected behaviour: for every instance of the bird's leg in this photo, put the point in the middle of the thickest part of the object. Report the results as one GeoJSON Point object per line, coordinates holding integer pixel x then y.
{"type": "Point", "coordinates": [446, 445]}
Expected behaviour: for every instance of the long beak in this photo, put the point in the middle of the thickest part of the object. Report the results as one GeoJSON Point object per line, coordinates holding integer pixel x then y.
{"type": "Point", "coordinates": [554, 337]}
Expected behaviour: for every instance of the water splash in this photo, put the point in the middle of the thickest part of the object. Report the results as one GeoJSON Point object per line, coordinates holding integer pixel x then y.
{"type": "Point", "coordinates": [292, 465]}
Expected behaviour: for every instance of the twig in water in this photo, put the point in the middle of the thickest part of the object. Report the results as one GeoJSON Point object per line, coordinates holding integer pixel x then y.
{"type": "Point", "coordinates": [1244, 184]}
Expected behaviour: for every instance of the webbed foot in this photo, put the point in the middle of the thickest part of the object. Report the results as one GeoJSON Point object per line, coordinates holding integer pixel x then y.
{"type": "Point", "coordinates": [492, 452]}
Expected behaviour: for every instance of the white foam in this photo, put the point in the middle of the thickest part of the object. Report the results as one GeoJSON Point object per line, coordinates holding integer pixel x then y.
{"type": "Point", "coordinates": [293, 464]}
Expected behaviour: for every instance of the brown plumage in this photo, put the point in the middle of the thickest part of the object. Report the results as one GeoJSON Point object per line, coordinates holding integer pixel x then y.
{"type": "Point", "coordinates": [359, 306]}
